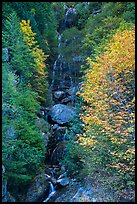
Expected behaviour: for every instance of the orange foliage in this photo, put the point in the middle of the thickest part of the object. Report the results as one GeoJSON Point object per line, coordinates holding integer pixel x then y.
{"type": "Point", "coordinates": [109, 91]}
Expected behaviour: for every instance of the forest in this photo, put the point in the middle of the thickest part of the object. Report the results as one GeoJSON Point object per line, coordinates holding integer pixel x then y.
{"type": "Point", "coordinates": [68, 101]}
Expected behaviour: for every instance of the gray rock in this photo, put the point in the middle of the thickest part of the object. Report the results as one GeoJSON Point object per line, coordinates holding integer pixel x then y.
{"type": "Point", "coordinates": [3, 169]}
{"type": "Point", "coordinates": [38, 188]}
{"type": "Point", "coordinates": [68, 99]}
{"type": "Point", "coordinates": [11, 132]}
{"type": "Point", "coordinates": [59, 94]}
{"type": "Point", "coordinates": [72, 90]}
{"type": "Point", "coordinates": [55, 126]}
{"type": "Point", "coordinates": [5, 54]}
{"type": "Point", "coordinates": [61, 114]}
{"type": "Point", "coordinates": [63, 181]}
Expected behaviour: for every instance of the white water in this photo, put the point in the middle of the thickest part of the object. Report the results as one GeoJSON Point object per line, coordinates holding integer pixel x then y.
{"type": "Point", "coordinates": [55, 63]}
{"type": "Point", "coordinates": [69, 10]}
{"type": "Point", "coordinates": [70, 75]}
{"type": "Point", "coordinates": [53, 75]}
{"type": "Point", "coordinates": [51, 192]}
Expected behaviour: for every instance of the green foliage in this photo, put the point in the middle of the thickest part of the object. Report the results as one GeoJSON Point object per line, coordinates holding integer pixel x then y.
{"type": "Point", "coordinates": [72, 159]}
{"type": "Point", "coordinates": [74, 154]}
{"type": "Point", "coordinates": [23, 148]}
{"type": "Point", "coordinates": [20, 55]}
{"type": "Point", "coordinates": [103, 25]}
{"type": "Point", "coordinates": [70, 48]}
{"type": "Point", "coordinates": [43, 22]}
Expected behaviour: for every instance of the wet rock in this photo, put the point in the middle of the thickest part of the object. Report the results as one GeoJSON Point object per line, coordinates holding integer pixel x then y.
{"type": "Point", "coordinates": [68, 99]}
{"type": "Point", "coordinates": [59, 94]}
{"type": "Point", "coordinates": [62, 170]}
{"type": "Point", "coordinates": [72, 90]}
{"type": "Point", "coordinates": [63, 181]}
{"type": "Point", "coordinates": [61, 114]}
{"type": "Point", "coordinates": [58, 152]}
{"type": "Point", "coordinates": [71, 17]}
{"type": "Point", "coordinates": [62, 175]}
{"type": "Point", "coordinates": [41, 114]}
{"type": "Point", "coordinates": [38, 188]}
{"type": "Point", "coordinates": [55, 126]}
{"type": "Point", "coordinates": [54, 181]}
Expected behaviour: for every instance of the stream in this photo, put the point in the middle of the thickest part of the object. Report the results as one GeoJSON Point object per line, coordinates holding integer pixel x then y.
{"type": "Point", "coordinates": [61, 78]}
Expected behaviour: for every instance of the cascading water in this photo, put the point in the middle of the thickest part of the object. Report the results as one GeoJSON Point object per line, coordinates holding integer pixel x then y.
{"type": "Point", "coordinates": [62, 77]}
{"type": "Point", "coordinates": [69, 10]}
{"type": "Point", "coordinates": [70, 75]}
{"type": "Point", "coordinates": [62, 70]}
{"type": "Point", "coordinates": [55, 63]}
{"type": "Point", "coordinates": [51, 192]}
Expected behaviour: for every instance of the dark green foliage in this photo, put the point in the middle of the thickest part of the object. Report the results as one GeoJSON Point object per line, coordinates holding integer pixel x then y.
{"type": "Point", "coordinates": [70, 48]}
{"type": "Point", "coordinates": [22, 144]}
{"type": "Point", "coordinates": [73, 160]}
{"type": "Point", "coordinates": [74, 154]}
{"type": "Point", "coordinates": [20, 56]}
{"type": "Point", "coordinates": [43, 22]}
{"type": "Point", "coordinates": [23, 150]}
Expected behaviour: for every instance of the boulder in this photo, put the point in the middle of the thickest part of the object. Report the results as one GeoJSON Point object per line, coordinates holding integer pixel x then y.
{"type": "Point", "coordinates": [59, 94]}
{"type": "Point", "coordinates": [63, 181]}
{"type": "Point", "coordinates": [61, 114]}
{"type": "Point", "coordinates": [39, 187]}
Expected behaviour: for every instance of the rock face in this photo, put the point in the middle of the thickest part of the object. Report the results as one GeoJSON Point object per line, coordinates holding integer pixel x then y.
{"type": "Point", "coordinates": [61, 114]}
{"type": "Point", "coordinates": [39, 187]}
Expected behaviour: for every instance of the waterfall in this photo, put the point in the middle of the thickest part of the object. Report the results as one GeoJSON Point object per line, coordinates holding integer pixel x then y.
{"type": "Point", "coordinates": [69, 10]}
{"type": "Point", "coordinates": [51, 192]}
{"type": "Point", "coordinates": [53, 75]}
{"type": "Point", "coordinates": [70, 75]}
{"type": "Point", "coordinates": [61, 70]}
{"type": "Point", "coordinates": [55, 63]}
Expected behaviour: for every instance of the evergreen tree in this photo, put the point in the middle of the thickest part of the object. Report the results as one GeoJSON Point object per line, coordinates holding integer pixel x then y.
{"type": "Point", "coordinates": [23, 149]}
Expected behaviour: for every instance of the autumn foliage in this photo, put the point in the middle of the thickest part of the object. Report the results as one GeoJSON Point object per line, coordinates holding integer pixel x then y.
{"type": "Point", "coordinates": [109, 116]}
{"type": "Point", "coordinates": [39, 79]}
